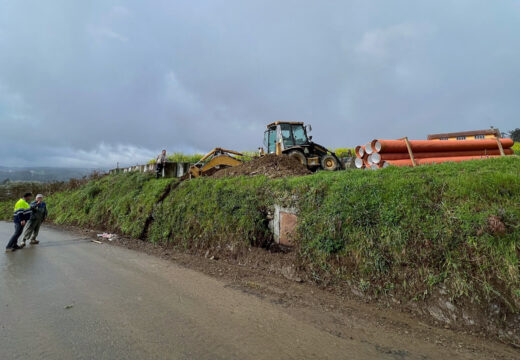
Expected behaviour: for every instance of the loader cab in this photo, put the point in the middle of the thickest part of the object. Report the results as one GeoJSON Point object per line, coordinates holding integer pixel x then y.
{"type": "Point", "coordinates": [289, 133]}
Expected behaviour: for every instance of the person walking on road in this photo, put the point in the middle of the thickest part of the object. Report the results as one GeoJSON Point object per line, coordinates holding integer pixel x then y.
{"type": "Point", "coordinates": [38, 215]}
{"type": "Point", "coordinates": [22, 213]}
{"type": "Point", "coordinates": [160, 162]}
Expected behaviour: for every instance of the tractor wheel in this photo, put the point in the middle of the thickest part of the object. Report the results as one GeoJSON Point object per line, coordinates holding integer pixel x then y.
{"type": "Point", "coordinates": [329, 162]}
{"type": "Point", "coordinates": [298, 155]}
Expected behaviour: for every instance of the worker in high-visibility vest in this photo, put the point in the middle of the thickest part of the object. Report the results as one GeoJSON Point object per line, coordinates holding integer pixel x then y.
{"type": "Point", "coordinates": [22, 213]}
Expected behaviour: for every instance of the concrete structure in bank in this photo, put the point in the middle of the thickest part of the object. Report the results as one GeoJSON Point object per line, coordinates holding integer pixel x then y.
{"type": "Point", "coordinates": [283, 225]}
{"type": "Point", "coordinates": [170, 170]}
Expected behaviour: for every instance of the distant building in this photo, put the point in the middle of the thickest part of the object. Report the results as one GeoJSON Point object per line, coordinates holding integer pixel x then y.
{"type": "Point", "coordinates": [467, 135]}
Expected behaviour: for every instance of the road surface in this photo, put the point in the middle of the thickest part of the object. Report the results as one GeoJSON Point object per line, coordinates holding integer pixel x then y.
{"type": "Point", "coordinates": [70, 298]}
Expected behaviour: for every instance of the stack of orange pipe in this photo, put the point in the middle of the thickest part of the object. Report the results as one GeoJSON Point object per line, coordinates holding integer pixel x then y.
{"type": "Point", "coordinates": [382, 153]}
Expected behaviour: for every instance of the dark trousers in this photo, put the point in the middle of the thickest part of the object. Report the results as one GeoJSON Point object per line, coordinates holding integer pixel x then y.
{"type": "Point", "coordinates": [158, 170]}
{"type": "Point", "coordinates": [18, 230]}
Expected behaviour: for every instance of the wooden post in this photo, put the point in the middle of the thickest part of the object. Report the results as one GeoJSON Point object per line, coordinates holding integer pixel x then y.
{"type": "Point", "coordinates": [500, 147]}
{"type": "Point", "coordinates": [409, 147]}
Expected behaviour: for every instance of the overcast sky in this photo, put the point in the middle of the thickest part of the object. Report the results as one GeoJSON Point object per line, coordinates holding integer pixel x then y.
{"type": "Point", "coordinates": [90, 83]}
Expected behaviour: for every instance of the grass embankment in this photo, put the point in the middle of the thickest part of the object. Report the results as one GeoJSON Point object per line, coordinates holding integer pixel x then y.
{"type": "Point", "coordinates": [120, 203]}
{"type": "Point", "coordinates": [399, 231]}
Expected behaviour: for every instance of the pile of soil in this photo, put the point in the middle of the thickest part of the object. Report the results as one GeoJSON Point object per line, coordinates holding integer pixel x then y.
{"type": "Point", "coordinates": [272, 166]}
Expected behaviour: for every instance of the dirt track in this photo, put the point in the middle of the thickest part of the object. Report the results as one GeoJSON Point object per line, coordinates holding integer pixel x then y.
{"type": "Point", "coordinates": [126, 304]}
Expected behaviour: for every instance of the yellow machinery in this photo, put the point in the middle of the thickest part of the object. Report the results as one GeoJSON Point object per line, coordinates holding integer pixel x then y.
{"type": "Point", "coordinates": [213, 161]}
{"type": "Point", "coordinates": [290, 138]}
{"type": "Point", "coordinates": [280, 138]}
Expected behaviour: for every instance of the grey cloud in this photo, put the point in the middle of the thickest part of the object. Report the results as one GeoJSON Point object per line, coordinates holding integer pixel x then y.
{"type": "Point", "coordinates": [127, 79]}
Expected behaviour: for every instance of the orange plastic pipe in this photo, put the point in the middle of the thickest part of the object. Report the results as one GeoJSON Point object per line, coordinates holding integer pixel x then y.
{"type": "Point", "coordinates": [399, 146]}
{"type": "Point", "coordinates": [360, 151]}
{"type": "Point", "coordinates": [436, 160]}
{"type": "Point", "coordinates": [380, 157]}
{"type": "Point", "coordinates": [360, 164]}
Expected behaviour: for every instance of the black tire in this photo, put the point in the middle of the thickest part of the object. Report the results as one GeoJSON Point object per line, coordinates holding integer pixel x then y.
{"type": "Point", "coordinates": [298, 155]}
{"type": "Point", "coordinates": [329, 163]}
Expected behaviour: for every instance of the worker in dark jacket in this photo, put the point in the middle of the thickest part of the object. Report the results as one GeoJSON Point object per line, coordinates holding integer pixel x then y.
{"type": "Point", "coordinates": [22, 213]}
{"type": "Point", "coordinates": [38, 215]}
{"type": "Point", "coordinates": [159, 163]}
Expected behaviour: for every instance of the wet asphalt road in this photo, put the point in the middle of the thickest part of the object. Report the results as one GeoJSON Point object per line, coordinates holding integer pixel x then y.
{"type": "Point", "coordinates": [69, 298]}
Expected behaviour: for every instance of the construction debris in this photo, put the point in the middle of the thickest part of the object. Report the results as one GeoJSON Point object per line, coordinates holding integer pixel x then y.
{"type": "Point", "coordinates": [107, 236]}
{"type": "Point", "coordinates": [403, 152]}
{"type": "Point", "coordinates": [272, 166]}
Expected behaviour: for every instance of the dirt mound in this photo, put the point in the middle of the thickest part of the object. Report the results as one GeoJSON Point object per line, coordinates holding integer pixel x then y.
{"type": "Point", "coordinates": [272, 166]}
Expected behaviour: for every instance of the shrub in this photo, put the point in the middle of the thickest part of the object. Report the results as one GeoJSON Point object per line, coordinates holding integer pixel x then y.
{"type": "Point", "coordinates": [344, 152]}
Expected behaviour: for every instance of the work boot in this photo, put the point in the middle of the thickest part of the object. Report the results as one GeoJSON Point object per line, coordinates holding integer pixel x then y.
{"type": "Point", "coordinates": [34, 242]}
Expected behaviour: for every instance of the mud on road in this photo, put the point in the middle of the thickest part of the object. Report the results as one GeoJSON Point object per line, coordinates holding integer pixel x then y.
{"type": "Point", "coordinates": [390, 332]}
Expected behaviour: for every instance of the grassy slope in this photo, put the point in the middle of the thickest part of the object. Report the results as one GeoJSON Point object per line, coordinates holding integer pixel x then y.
{"type": "Point", "coordinates": [117, 203]}
{"type": "Point", "coordinates": [399, 231]}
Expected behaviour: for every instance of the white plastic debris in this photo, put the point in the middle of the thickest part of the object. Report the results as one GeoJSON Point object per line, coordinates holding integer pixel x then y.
{"type": "Point", "coordinates": [107, 236]}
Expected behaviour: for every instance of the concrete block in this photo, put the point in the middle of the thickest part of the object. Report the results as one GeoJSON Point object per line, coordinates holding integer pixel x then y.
{"type": "Point", "coordinates": [169, 169]}
{"type": "Point", "coordinates": [182, 168]}
{"type": "Point", "coordinates": [284, 225]}
{"type": "Point", "coordinates": [288, 224]}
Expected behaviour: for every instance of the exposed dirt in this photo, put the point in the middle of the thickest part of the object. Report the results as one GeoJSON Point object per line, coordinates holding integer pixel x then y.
{"type": "Point", "coordinates": [495, 225]}
{"type": "Point", "coordinates": [271, 275]}
{"type": "Point", "coordinates": [272, 166]}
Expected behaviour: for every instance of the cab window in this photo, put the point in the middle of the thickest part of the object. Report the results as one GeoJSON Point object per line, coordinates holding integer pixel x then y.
{"type": "Point", "coordinates": [270, 138]}
{"type": "Point", "coordinates": [286, 135]}
{"type": "Point", "coordinates": [299, 135]}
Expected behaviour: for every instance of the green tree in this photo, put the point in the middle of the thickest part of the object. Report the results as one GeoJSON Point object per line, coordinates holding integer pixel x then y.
{"type": "Point", "coordinates": [515, 134]}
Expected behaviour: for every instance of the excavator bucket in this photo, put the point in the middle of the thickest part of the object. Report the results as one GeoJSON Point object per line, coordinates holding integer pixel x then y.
{"type": "Point", "coordinates": [213, 161]}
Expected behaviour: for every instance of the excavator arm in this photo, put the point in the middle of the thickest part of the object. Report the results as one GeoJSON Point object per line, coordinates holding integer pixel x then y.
{"type": "Point", "coordinates": [216, 159]}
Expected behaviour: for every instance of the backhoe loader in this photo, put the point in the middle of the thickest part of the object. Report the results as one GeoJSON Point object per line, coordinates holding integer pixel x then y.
{"type": "Point", "coordinates": [290, 138]}
{"type": "Point", "coordinates": [280, 138]}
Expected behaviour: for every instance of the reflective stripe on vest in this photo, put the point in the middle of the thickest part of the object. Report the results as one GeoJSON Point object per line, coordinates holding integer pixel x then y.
{"type": "Point", "coordinates": [21, 207]}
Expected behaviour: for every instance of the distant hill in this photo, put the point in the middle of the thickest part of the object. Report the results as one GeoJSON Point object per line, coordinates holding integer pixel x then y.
{"type": "Point", "coordinates": [43, 174]}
